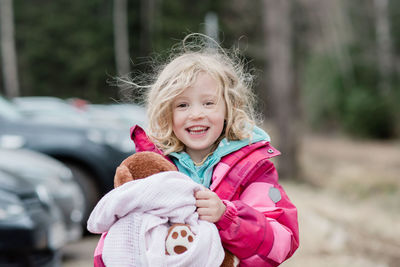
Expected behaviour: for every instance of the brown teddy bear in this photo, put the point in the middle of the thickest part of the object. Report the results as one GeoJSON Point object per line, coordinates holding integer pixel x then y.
{"type": "Point", "coordinates": [143, 164]}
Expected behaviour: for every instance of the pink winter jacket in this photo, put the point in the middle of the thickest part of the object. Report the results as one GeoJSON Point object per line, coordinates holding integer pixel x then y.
{"type": "Point", "coordinates": [260, 223]}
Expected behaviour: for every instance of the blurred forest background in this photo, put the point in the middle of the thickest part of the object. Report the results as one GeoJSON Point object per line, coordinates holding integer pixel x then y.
{"type": "Point", "coordinates": [328, 84]}
{"type": "Point", "coordinates": [329, 66]}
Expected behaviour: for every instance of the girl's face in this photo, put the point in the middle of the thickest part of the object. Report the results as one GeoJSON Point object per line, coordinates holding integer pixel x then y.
{"type": "Point", "coordinates": [198, 116]}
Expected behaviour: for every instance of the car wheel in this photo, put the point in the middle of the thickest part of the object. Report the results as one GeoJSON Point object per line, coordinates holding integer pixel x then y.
{"type": "Point", "coordinates": [90, 190]}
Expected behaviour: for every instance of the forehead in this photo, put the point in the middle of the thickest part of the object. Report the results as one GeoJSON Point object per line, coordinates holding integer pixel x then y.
{"type": "Point", "coordinates": [203, 84]}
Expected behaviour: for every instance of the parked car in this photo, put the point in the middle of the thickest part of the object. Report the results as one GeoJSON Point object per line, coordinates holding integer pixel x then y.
{"type": "Point", "coordinates": [96, 118]}
{"type": "Point", "coordinates": [80, 112]}
{"type": "Point", "coordinates": [43, 170]}
{"type": "Point", "coordinates": [91, 153]}
{"type": "Point", "coordinates": [119, 115]}
{"type": "Point", "coordinates": [50, 110]}
{"type": "Point", "coordinates": [130, 113]}
{"type": "Point", "coordinates": [31, 227]}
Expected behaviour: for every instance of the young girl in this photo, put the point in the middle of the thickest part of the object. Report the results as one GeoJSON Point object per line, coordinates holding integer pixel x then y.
{"type": "Point", "coordinates": [201, 117]}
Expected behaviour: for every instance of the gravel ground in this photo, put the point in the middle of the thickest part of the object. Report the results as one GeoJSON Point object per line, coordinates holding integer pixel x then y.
{"type": "Point", "coordinates": [348, 208]}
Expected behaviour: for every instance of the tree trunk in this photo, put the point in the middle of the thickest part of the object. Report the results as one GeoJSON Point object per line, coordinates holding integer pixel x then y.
{"type": "Point", "coordinates": [211, 26]}
{"type": "Point", "coordinates": [278, 40]}
{"type": "Point", "coordinates": [8, 51]}
{"type": "Point", "coordinates": [122, 58]}
{"type": "Point", "coordinates": [384, 44]}
{"type": "Point", "coordinates": [147, 8]}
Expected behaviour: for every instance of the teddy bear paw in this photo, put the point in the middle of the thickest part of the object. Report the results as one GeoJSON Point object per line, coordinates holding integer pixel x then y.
{"type": "Point", "coordinates": [179, 239]}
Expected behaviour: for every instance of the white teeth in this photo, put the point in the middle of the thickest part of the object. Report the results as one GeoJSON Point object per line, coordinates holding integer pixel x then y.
{"type": "Point", "coordinates": [197, 130]}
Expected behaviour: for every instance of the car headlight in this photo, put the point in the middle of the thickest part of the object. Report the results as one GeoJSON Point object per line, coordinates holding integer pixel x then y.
{"type": "Point", "coordinates": [10, 207]}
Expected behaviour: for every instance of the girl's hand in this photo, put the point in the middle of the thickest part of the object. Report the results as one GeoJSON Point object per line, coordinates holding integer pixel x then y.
{"type": "Point", "coordinates": [209, 206]}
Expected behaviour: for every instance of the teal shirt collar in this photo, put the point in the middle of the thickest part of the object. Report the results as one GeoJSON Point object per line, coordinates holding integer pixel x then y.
{"type": "Point", "coordinates": [203, 174]}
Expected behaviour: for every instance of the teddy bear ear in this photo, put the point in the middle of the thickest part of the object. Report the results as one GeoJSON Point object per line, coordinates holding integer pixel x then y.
{"type": "Point", "coordinates": [122, 175]}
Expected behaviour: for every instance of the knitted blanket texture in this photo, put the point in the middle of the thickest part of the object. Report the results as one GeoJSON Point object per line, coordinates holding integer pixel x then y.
{"type": "Point", "coordinates": [137, 216]}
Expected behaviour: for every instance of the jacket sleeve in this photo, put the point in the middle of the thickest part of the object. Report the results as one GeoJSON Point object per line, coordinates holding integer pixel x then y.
{"type": "Point", "coordinates": [98, 252]}
{"type": "Point", "coordinates": [262, 222]}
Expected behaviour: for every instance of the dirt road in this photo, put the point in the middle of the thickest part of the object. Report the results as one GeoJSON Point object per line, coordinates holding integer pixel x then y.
{"type": "Point", "coordinates": [80, 254]}
{"type": "Point", "coordinates": [349, 209]}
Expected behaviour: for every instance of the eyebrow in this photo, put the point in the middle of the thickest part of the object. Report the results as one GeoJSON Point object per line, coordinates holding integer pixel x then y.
{"type": "Point", "coordinates": [180, 98]}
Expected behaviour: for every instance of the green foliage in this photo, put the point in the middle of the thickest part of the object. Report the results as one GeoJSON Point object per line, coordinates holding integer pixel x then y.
{"type": "Point", "coordinates": [368, 114]}
{"type": "Point", "coordinates": [394, 15]}
{"type": "Point", "coordinates": [348, 99]}
{"type": "Point", "coordinates": [65, 48]}
{"type": "Point", "coordinates": [175, 19]}
{"type": "Point", "coordinates": [322, 93]}
{"type": "Point", "coordinates": [347, 95]}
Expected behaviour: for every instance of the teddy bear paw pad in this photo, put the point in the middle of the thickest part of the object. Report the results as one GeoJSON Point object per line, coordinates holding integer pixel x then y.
{"type": "Point", "coordinates": [179, 239]}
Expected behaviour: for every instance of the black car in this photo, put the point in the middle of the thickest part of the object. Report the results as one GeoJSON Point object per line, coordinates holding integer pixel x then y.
{"type": "Point", "coordinates": [31, 228]}
{"type": "Point", "coordinates": [43, 170]}
{"type": "Point", "coordinates": [91, 153]}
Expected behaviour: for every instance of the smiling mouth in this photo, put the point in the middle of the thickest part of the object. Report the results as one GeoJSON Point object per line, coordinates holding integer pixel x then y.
{"type": "Point", "coordinates": [197, 130]}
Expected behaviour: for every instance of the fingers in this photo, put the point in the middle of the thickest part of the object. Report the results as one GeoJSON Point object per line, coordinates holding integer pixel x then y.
{"type": "Point", "coordinates": [209, 206]}
{"type": "Point", "coordinates": [203, 194]}
{"type": "Point", "coordinates": [209, 215]}
{"type": "Point", "coordinates": [203, 212]}
{"type": "Point", "coordinates": [206, 214]}
{"type": "Point", "coordinates": [210, 201]}
{"type": "Point", "coordinates": [202, 203]}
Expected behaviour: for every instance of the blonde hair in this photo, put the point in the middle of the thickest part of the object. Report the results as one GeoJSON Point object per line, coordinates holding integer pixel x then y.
{"type": "Point", "coordinates": [180, 73]}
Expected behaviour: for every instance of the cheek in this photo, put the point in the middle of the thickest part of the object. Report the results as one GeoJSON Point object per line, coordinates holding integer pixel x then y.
{"type": "Point", "coordinates": [177, 121]}
{"type": "Point", "coordinates": [175, 118]}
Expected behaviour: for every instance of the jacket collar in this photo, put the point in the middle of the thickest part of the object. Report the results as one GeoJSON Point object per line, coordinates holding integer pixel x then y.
{"type": "Point", "coordinates": [203, 174]}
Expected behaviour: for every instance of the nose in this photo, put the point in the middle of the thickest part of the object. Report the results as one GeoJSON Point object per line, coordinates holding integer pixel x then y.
{"type": "Point", "coordinates": [197, 111]}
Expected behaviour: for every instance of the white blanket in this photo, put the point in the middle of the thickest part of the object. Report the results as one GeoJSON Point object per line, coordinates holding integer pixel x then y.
{"type": "Point", "coordinates": [137, 215]}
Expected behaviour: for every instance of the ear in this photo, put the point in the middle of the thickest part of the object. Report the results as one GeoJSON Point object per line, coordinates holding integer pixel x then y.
{"type": "Point", "coordinates": [122, 175]}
